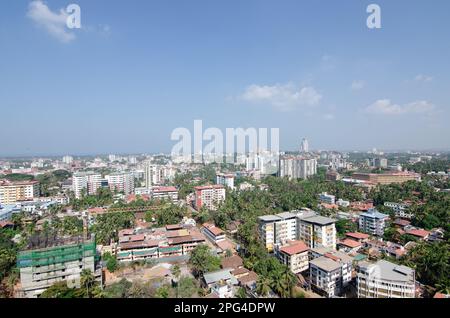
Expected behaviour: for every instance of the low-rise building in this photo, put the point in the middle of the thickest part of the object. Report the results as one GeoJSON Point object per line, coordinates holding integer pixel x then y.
{"type": "Point", "coordinates": [385, 280]}
{"type": "Point", "coordinates": [294, 255]}
{"type": "Point", "coordinates": [400, 209]}
{"type": "Point", "coordinates": [221, 282]}
{"type": "Point", "coordinates": [164, 193]}
{"type": "Point", "coordinates": [213, 233]}
{"type": "Point", "coordinates": [327, 198]}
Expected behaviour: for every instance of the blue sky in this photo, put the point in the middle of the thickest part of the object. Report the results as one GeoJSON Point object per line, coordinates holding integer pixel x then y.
{"type": "Point", "coordinates": [138, 69]}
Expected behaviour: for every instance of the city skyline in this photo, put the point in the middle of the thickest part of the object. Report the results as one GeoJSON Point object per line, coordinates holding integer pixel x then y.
{"type": "Point", "coordinates": [133, 73]}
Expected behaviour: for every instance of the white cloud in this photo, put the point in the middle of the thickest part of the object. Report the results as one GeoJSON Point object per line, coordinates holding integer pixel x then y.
{"type": "Point", "coordinates": [357, 85]}
{"type": "Point", "coordinates": [284, 97]}
{"type": "Point", "coordinates": [386, 107]}
{"type": "Point", "coordinates": [53, 22]}
{"type": "Point", "coordinates": [423, 78]}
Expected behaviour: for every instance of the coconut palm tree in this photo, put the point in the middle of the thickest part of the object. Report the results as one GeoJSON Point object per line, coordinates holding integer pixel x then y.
{"type": "Point", "coordinates": [87, 280]}
{"type": "Point", "coordinates": [263, 286]}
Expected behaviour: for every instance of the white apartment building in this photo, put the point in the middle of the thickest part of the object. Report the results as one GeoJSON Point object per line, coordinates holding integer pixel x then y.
{"type": "Point", "coordinates": [327, 198]}
{"type": "Point", "coordinates": [89, 181]}
{"type": "Point", "coordinates": [209, 196]}
{"type": "Point", "coordinates": [225, 179]}
{"type": "Point", "coordinates": [164, 193]}
{"type": "Point", "coordinates": [400, 209]}
{"type": "Point", "coordinates": [297, 167]}
{"type": "Point", "coordinates": [122, 182]}
{"type": "Point", "coordinates": [385, 280]}
{"type": "Point", "coordinates": [277, 229]}
{"type": "Point", "coordinates": [373, 222]}
{"type": "Point", "coordinates": [317, 231]}
{"type": "Point", "coordinates": [67, 160]}
{"type": "Point", "coordinates": [330, 271]}
{"type": "Point", "coordinates": [157, 174]}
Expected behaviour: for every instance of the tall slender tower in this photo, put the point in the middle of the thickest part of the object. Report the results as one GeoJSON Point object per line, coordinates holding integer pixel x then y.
{"type": "Point", "coordinates": [304, 147]}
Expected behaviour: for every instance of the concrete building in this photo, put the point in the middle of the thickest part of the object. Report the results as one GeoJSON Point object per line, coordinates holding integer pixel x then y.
{"type": "Point", "coordinates": [213, 233]}
{"type": "Point", "coordinates": [386, 178]}
{"type": "Point", "coordinates": [277, 229]}
{"type": "Point", "coordinates": [385, 280]}
{"type": "Point", "coordinates": [121, 182]}
{"type": "Point", "coordinates": [330, 271]}
{"type": "Point", "coordinates": [317, 231]}
{"type": "Point", "coordinates": [304, 146]}
{"type": "Point", "coordinates": [164, 193]}
{"type": "Point", "coordinates": [209, 196]}
{"type": "Point", "coordinates": [67, 160]}
{"type": "Point", "coordinates": [47, 261]}
{"type": "Point", "coordinates": [225, 179]}
{"type": "Point", "coordinates": [297, 167]}
{"type": "Point", "coordinates": [87, 182]}
{"type": "Point", "coordinates": [11, 192]}
{"type": "Point", "coordinates": [400, 209]}
{"type": "Point", "coordinates": [294, 255]}
{"type": "Point", "coordinates": [327, 198]}
{"type": "Point", "coordinates": [372, 222]}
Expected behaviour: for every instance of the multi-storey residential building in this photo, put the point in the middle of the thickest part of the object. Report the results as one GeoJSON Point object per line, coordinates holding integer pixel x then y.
{"type": "Point", "coordinates": [327, 198]}
{"type": "Point", "coordinates": [67, 160]}
{"type": "Point", "coordinates": [121, 182]}
{"type": "Point", "coordinates": [294, 255]}
{"type": "Point", "coordinates": [380, 162]}
{"type": "Point", "coordinates": [157, 174]}
{"type": "Point", "coordinates": [11, 192]}
{"type": "Point", "coordinates": [87, 182]}
{"type": "Point", "coordinates": [164, 193]}
{"type": "Point", "coordinates": [400, 209]}
{"type": "Point", "coordinates": [277, 229]}
{"type": "Point", "coordinates": [330, 271]}
{"type": "Point", "coordinates": [209, 196]}
{"type": "Point", "coordinates": [373, 222]}
{"type": "Point", "coordinates": [225, 179]}
{"type": "Point", "coordinates": [385, 280]}
{"type": "Point", "coordinates": [297, 167]}
{"type": "Point", "coordinates": [47, 261]}
{"type": "Point", "coordinates": [317, 231]}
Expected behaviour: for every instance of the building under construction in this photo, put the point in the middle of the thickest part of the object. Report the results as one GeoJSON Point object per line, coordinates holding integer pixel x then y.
{"type": "Point", "coordinates": [49, 259]}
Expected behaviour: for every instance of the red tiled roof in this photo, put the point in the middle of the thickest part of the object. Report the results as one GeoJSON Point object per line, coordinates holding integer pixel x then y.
{"type": "Point", "coordinates": [213, 229]}
{"type": "Point", "coordinates": [419, 233]}
{"type": "Point", "coordinates": [165, 189]}
{"type": "Point", "coordinates": [350, 243]}
{"type": "Point", "coordinates": [6, 223]}
{"type": "Point", "coordinates": [357, 235]}
{"type": "Point", "coordinates": [234, 261]}
{"type": "Point", "coordinates": [295, 247]}
{"type": "Point", "coordinates": [136, 238]}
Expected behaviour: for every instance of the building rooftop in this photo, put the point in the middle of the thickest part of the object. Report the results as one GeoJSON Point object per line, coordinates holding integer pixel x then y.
{"type": "Point", "coordinates": [294, 247]}
{"type": "Point", "coordinates": [325, 263]}
{"type": "Point", "coordinates": [318, 219]}
{"type": "Point", "coordinates": [286, 215]}
{"type": "Point", "coordinates": [389, 271]}
{"type": "Point", "coordinates": [357, 235]}
{"type": "Point", "coordinates": [269, 218]}
{"type": "Point", "coordinates": [219, 275]}
{"type": "Point", "coordinates": [373, 213]}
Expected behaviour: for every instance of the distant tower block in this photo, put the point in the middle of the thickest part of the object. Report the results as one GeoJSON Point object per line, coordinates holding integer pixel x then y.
{"type": "Point", "coordinates": [304, 147]}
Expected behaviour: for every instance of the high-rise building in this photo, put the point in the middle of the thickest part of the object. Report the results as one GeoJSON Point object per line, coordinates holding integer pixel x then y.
{"type": "Point", "coordinates": [297, 167]}
{"type": "Point", "coordinates": [304, 146]}
{"type": "Point", "coordinates": [121, 182]}
{"type": "Point", "coordinates": [67, 160]}
{"type": "Point", "coordinates": [156, 174]}
{"type": "Point", "coordinates": [11, 192]}
{"type": "Point", "coordinates": [87, 181]}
